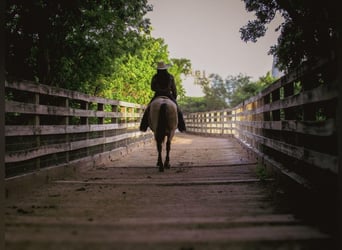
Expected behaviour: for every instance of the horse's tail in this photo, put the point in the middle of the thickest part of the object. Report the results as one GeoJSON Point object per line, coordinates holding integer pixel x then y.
{"type": "Point", "coordinates": [162, 123]}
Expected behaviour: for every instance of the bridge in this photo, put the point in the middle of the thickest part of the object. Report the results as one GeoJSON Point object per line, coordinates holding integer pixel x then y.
{"type": "Point", "coordinates": [263, 175]}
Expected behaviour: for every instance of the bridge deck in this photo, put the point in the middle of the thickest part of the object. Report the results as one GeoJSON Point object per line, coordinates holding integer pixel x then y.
{"type": "Point", "coordinates": [211, 198]}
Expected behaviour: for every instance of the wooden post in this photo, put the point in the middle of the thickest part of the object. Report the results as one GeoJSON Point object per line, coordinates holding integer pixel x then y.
{"type": "Point", "coordinates": [276, 113]}
{"type": "Point", "coordinates": [289, 91]}
{"type": "Point", "coordinates": [339, 134]}
{"type": "Point", "coordinates": [36, 124]}
{"type": "Point", "coordinates": [114, 109]}
{"type": "Point", "coordinates": [85, 120]}
{"type": "Point", "coordinates": [233, 121]}
{"type": "Point", "coordinates": [100, 120]}
{"type": "Point", "coordinates": [2, 160]}
{"type": "Point", "coordinates": [259, 118]}
{"type": "Point", "coordinates": [222, 120]}
{"type": "Point", "coordinates": [121, 110]}
{"type": "Point", "coordinates": [100, 107]}
{"type": "Point", "coordinates": [2, 128]}
{"type": "Point", "coordinates": [309, 111]}
{"type": "Point", "coordinates": [266, 100]}
{"type": "Point", "coordinates": [129, 113]}
{"type": "Point", "coordinates": [67, 136]}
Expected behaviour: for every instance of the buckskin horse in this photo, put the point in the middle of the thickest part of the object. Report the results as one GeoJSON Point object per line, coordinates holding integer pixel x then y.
{"type": "Point", "coordinates": [163, 121]}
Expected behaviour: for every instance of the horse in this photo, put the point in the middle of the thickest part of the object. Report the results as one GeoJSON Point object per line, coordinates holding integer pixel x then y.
{"type": "Point", "coordinates": [163, 121]}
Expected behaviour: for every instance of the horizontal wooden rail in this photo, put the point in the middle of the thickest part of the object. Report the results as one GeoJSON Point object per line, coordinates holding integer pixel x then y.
{"type": "Point", "coordinates": [23, 155]}
{"type": "Point", "coordinates": [71, 95]}
{"type": "Point", "coordinates": [48, 126]}
{"type": "Point", "coordinates": [291, 122]}
{"type": "Point", "coordinates": [22, 130]}
{"type": "Point", "coordinates": [317, 128]}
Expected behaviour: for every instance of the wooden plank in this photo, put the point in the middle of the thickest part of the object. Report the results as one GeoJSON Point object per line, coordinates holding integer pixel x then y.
{"type": "Point", "coordinates": [24, 130]}
{"type": "Point", "coordinates": [27, 108]}
{"type": "Point", "coordinates": [44, 150]}
{"type": "Point", "coordinates": [186, 207]}
{"type": "Point", "coordinates": [319, 94]}
{"type": "Point", "coordinates": [318, 159]}
{"type": "Point", "coordinates": [296, 75]}
{"type": "Point", "coordinates": [53, 91]}
{"type": "Point", "coordinates": [319, 128]}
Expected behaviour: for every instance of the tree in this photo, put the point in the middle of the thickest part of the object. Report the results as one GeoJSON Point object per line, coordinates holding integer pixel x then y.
{"type": "Point", "coordinates": [180, 67]}
{"type": "Point", "coordinates": [309, 30]}
{"type": "Point", "coordinates": [240, 87]}
{"type": "Point", "coordinates": [131, 75]}
{"type": "Point", "coordinates": [70, 43]}
{"type": "Point", "coordinates": [193, 104]}
{"type": "Point", "coordinates": [102, 48]}
{"type": "Point", "coordinates": [214, 92]}
{"type": "Point", "coordinates": [220, 94]}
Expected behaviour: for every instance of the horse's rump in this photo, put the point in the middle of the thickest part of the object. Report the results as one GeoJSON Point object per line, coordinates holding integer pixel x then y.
{"type": "Point", "coordinates": [170, 114]}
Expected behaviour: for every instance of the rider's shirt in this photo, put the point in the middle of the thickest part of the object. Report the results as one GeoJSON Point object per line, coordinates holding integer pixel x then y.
{"type": "Point", "coordinates": [164, 86]}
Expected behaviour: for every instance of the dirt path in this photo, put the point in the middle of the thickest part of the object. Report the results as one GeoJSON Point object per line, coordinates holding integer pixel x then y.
{"type": "Point", "coordinates": [211, 198]}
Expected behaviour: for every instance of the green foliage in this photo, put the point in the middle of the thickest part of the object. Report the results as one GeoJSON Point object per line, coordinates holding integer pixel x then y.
{"type": "Point", "coordinates": [214, 92]}
{"type": "Point", "coordinates": [309, 30]}
{"type": "Point", "coordinates": [70, 43]}
{"type": "Point", "coordinates": [132, 73]}
{"type": "Point", "coordinates": [240, 87]}
{"type": "Point", "coordinates": [220, 94]}
{"type": "Point", "coordinates": [102, 48]}
{"type": "Point", "coordinates": [193, 104]}
{"type": "Point", "coordinates": [262, 173]}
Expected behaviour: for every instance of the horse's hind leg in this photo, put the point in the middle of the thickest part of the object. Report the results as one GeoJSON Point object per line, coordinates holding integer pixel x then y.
{"type": "Point", "coordinates": [160, 160]}
{"type": "Point", "coordinates": [168, 148]}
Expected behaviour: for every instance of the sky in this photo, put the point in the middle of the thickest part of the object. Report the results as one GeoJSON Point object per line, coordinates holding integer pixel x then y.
{"type": "Point", "coordinates": [207, 33]}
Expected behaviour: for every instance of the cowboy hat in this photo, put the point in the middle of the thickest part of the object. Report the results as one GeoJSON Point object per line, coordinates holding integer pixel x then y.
{"type": "Point", "coordinates": [162, 65]}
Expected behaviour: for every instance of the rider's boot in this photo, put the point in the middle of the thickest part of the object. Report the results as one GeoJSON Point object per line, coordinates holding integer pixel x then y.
{"type": "Point", "coordinates": [144, 121]}
{"type": "Point", "coordinates": [181, 123]}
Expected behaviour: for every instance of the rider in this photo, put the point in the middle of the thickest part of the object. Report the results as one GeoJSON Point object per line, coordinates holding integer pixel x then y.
{"type": "Point", "coordinates": [163, 84]}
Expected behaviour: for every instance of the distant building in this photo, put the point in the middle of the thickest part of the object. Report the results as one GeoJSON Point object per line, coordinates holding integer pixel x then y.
{"type": "Point", "coordinates": [276, 73]}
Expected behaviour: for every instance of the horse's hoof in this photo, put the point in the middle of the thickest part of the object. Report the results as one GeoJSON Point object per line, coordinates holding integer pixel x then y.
{"type": "Point", "coordinates": [167, 166]}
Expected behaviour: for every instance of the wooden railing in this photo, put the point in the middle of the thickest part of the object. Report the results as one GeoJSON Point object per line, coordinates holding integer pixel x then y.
{"type": "Point", "coordinates": [48, 126]}
{"type": "Point", "coordinates": [220, 123]}
{"type": "Point", "coordinates": [291, 124]}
